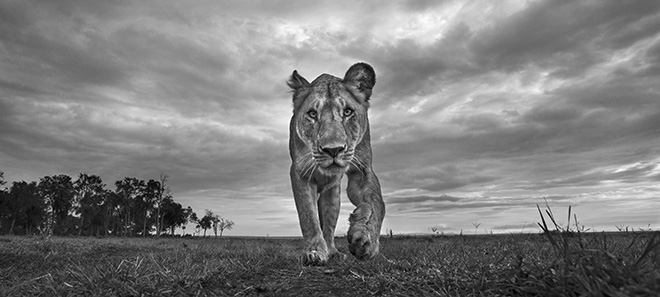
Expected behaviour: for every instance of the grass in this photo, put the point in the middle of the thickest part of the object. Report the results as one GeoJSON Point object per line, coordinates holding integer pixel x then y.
{"type": "Point", "coordinates": [551, 264]}
{"type": "Point", "coordinates": [562, 261]}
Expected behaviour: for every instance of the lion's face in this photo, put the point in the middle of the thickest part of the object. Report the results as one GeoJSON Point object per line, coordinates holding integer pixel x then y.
{"type": "Point", "coordinates": [330, 122]}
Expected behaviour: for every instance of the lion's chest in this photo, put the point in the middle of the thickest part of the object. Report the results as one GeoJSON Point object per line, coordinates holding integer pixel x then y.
{"type": "Point", "coordinates": [325, 182]}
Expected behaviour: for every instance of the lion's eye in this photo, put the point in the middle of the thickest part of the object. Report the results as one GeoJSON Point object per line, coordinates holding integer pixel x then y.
{"type": "Point", "coordinates": [312, 114]}
{"type": "Point", "coordinates": [348, 112]}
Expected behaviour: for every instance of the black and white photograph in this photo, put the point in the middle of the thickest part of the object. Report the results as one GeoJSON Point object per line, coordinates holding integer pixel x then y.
{"type": "Point", "coordinates": [330, 148]}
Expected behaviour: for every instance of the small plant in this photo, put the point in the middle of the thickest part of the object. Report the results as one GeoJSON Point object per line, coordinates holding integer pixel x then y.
{"type": "Point", "coordinates": [476, 226]}
{"type": "Point", "coordinates": [647, 229]}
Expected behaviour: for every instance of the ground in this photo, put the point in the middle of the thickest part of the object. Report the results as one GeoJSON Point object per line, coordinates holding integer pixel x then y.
{"type": "Point", "coordinates": [615, 264]}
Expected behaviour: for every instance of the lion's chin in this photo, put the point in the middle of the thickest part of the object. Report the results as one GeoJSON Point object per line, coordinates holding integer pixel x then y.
{"type": "Point", "coordinates": [333, 168]}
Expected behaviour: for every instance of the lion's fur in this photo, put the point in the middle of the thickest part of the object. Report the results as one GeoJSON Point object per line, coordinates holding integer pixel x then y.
{"type": "Point", "coordinates": [329, 138]}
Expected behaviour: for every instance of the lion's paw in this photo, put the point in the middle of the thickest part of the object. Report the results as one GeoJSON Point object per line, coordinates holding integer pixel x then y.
{"type": "Point", "coordinates": [362, 244]}
{"type": "Point", "coordinates": [337, 256]}
{"type": "Point", "coordinates": [314, 257]}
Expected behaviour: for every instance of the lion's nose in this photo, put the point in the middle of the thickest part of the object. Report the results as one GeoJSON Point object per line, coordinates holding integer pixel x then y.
{"type": "Point", "coordinates": [333, 151]}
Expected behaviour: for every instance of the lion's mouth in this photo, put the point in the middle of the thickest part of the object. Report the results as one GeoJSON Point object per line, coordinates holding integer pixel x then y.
{"type": "Point", "coordinates": [333, 163]}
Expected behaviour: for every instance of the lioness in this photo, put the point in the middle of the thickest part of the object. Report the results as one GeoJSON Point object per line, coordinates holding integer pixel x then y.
{"type": "Point", "coordinates": [329, 137]}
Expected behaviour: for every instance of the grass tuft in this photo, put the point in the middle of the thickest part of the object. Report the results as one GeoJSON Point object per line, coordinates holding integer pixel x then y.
{"type": "Point", "coordinates": [602, 265]}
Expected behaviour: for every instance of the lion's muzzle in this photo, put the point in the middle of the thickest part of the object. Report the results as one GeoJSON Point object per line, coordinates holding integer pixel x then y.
{"type": "Point", "coordinates": [333, 151]}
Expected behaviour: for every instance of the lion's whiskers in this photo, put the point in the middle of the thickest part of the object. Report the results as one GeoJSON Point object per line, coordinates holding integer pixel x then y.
{"type": "Point", "coordinates": [308, 165]}
{"type": "Point", "coordinates": [309, 171]}
{"type": "Point", "coordinates": [358, 164]}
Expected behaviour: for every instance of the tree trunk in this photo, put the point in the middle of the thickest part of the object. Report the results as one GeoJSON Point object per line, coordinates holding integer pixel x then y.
{"type": "Point", "coordinates": [11, 229]}
{"type": "Point", "coordinates": [106, 221]}
{"type": "Point", "coordinates": [144, 229]}
{"type": "Point", "coordinates": [81, 224]}
{"type": "Point", "coordinates": [125, 224]}
{"type": "Point", "coordinates": [51, 224]}
{"type": "Point", "coordinates": [158, 222]}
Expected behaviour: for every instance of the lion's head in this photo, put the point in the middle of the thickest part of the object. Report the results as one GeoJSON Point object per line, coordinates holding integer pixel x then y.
{"type": "Point", "coordinates": [330, 119]}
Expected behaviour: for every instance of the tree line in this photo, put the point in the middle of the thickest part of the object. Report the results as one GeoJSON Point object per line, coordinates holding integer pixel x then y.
{"type": "Point", "coordinates": [59, 205]}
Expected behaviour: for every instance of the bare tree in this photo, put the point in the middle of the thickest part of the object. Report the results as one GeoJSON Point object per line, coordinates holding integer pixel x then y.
{"type": "Point", "coordinates": [224, 224]}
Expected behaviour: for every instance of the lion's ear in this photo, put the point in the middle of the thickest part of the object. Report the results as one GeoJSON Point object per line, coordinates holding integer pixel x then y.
{"type": "Point", "coordinates": [296, 81]}
{"type": "Point", "coordinates": [363, 77]}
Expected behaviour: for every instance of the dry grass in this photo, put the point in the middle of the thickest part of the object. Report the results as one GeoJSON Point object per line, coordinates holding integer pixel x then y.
{"type": "Point", "coordinates": [621, 264]}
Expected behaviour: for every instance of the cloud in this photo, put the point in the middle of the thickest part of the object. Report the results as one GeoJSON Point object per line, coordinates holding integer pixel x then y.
{"type": "Point", "coordinates": [577, 35]}
{"type": "Point", "coordinates": [516, 227]}
{"type": "Point", "coordinates": [422, 198]}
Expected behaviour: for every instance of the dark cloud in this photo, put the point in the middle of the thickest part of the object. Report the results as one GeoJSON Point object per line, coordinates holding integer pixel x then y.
{"type": "Point", "coordinates": [575, 34]}
{"type": "Point", "coordinates": [70, 52]}
{"type": "Point", "coordinates": [406, 67]}
{"type": "Point", "coordinates": [422, 5]}
{"type": "Point", "coordinates": [17, 87]}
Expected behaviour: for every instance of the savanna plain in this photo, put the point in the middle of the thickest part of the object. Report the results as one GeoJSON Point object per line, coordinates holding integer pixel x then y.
{"type": "Point", "coordinates": [553, 263]}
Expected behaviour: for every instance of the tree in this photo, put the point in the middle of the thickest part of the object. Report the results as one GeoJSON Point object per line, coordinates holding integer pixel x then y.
{"type": "Point", "coordinates": [207, 221]}
{"type": "Point", "coordinates": [85, 206]}
{"type": "Point", "coordinates": [164, 192]}
{"type": "Point", "coordinates": [112, 207]}
{"type": "Point", "coordinates": [173, 214]}
{"type": "Point", "coordinates": [130, 192]}
{"type": "Point", "coordinates": [88, 193]}
{"type": "Point", "coordinates": [223, 224]}
{"type": "Point", "coordinates": [4, 200]}
{"type": "Point", "coordinates": [23, 206]}
{"type": "Point", "coordinates": [58, 192]}
{"type": "Point", "coordinates": [194, 220]}
{"type": "Point", "coordinates": [150, 195]}
{"type": "Point", "coordinates": [215, 219]}
{"type": "Point", "coordinates": [190, 217]}
{"type": "Point", "coordinates": [219, 223]}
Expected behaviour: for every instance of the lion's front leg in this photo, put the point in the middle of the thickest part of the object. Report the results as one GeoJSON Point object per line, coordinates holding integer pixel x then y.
{"type": "Point", "coordinates": [367, 218]}
{"type": "Point", "coordinates": [329, 207]}
{"type": "Point", "coordinates": [315, 250]}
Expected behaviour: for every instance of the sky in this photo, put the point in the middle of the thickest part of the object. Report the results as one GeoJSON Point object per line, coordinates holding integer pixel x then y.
{"type": "Point", "coordinates": [481, 109]}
